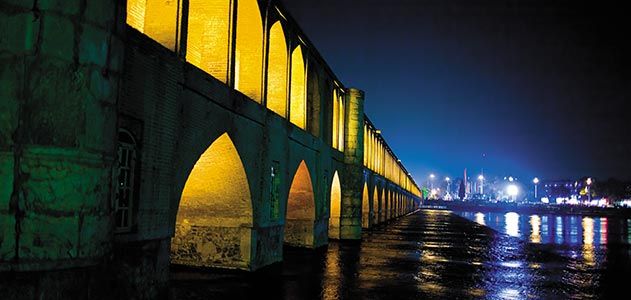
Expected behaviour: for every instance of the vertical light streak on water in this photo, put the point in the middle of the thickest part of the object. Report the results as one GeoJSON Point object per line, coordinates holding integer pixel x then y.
{"type": "Point", "coordinates": [512, 224]}
{"type": "Point", "coordinates": [535, 232]}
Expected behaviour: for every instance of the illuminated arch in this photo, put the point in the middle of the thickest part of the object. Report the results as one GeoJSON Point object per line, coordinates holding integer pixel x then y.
{"type": "Point", "coordinates": [249, 50]}
{"type": "Point", "coordinates": [208, 36]}
{"type": "Point", "coordinates": [277, 71]}
{"type": "Point", "coordinates": [366, 204]}
{"type": "Point", "coordinates": [298, 99]}
{"type": "Point", "coordinates": [155, 18]}
{"type": "Point", "coordinates": [215, 202]}
{"type": "Point", "coordinates": [335, 213]}
{"type": "Point", "coordinates": [376, 199]}
{"type": "Point", "coordinates": [300, 214]}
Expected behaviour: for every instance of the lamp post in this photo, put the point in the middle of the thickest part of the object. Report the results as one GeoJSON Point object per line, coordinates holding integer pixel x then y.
{"type": "Point", "coordinates": [448, 183]}
{"type": "Point", "coordinates": [481, 178]}
{"type": "Point", "coordinates": [536, 182]}
{"type": "Point", "coordinates": [431, 181]}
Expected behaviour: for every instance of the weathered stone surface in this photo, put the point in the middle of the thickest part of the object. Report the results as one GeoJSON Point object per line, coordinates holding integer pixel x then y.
{"type": "Point", "coordinates": [207, 246]}
{"type": "Point", "coordinates": [18, 32]}
{"type": "Point", "coordinates": [57, 37]}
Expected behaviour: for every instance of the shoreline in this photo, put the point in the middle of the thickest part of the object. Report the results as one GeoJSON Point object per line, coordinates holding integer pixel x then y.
{"type": "Point", "coordinates": [529, 208]}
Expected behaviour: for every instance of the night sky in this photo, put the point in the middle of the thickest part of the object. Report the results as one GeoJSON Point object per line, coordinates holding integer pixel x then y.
{"type": "Point", "coordinates": [523, 88]}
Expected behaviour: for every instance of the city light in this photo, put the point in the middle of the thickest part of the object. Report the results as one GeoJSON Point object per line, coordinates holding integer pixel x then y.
{"type": "Point", "coordinates": [512, 190]}
{"type": "Point", "coordinates": [535, 181]}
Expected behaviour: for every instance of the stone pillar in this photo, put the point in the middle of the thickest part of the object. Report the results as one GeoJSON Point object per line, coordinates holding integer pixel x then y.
{"type": "Point", "coordinates": [59, 71]}
{"type": "Point", "coordinates": [351, 219]}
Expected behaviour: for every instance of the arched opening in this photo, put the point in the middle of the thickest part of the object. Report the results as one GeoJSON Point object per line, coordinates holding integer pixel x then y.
{"type": "Point", "coordinates": [376, 205]}
{"type": "Point", "coordinates": [300, 214]}
{"type": "Point", "coordinates": [297, 106]}
{"type": "Point", "coordinates": [208, 36]}
{"type": "Point", "coordinates": [249, 50]}
{"type": "Point", "coordinates": [214, 219]}
{"type": "Point", "coordinates": [335, 213]}
{"type": "Point", "coordinates": [155, 18]}
{"type": "Point", "coordinates": [384, 205]}
{"type": "Point", "coordinates": [277, 71]}
{"type": "Point", "coordinates": [366, 211]}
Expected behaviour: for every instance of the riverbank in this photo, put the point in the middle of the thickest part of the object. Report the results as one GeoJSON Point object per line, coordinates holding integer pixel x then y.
{"type": "Point", "coordinates": [529, 208]}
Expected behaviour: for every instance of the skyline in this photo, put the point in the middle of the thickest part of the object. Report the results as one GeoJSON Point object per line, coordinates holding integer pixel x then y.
{"type": "Point", "coordinates": [519, 83]}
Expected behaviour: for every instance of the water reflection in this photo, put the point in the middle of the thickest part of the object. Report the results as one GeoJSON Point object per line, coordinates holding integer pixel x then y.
{"type": "Point", "coordinates": [555, 229]}
{"type": "Point", "coordinates": [512, 224]}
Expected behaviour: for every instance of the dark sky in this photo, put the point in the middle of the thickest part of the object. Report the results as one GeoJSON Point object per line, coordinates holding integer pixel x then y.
{"type": "Point", "coordinates": [540, 87]}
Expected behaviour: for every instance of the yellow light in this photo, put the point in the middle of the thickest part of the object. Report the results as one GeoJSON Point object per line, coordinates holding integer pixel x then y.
{"type": "Point", "coordinates": [249, 50]}
{"type": "Point", "coordinates": [277, 71]}
{"type": "Point", "coordinates": [208, 36]}
{"type": "Point", "coordinates": [335, 208]}
{"type": "Point", "coordinates": [298, 106]}
{"type": "Point", "coordinates": [156, 18]}
{"type": "Point", "coordinates": [217, 190]}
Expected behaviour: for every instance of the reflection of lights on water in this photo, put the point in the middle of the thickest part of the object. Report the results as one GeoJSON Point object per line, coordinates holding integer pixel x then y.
{"type": "Point", "coordinates": [629, 231]}
{"type": "Point", "coordinates": [535, 223]}
{"type": "Point", "coordinates": [588, 231]}
{"type": "Point", "coordinates": [509, 294]}
{"type": "Point", "coordinates": [544, 228]}
{"type": "Point", "coordinates": [479, 218]}
{"type": "Point", "coordinates": [603, 230]}
{"type": "Point", "coordinates": [559, 230]}
{"type": "Point", "coordinates": [511, 264]}
{"type": "Point", "coordinates": [588, 241]}
{"type": "Point", "coordinates": [573, 230]}
{"type": "Point", "coordinates": [512, 224]}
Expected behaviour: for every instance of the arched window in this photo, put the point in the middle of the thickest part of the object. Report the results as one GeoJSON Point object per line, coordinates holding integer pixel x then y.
{"type": "Point", "coordinates": [123, 208]}
{"type": "Point", "coordinates": [249, 50]}
{"type": "Point", "coordinates": [277, 71]}
{"type": "Point", "coordinates": [208, 36]}
{"type": "Point", "coordinates": [298, 106]}
{"type": "Point", "coordinates": [157, 19]}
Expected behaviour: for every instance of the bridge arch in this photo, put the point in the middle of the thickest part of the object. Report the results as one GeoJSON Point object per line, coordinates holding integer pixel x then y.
{"type": "Point", "coordinates": [300, 210]}
{"type": "Point", "coordinates": [297, 92]}
{"type": "Point", "coordinates": [366, 207]}
{"type": "Point", "coordinates": [249, 50]}
{"type": "Point", "coordinates": [335, 211]}
{"type": "Point", "coordinates": [208, 36]}
{"type": "Point", "coordinates": [277, 70]}
{"type": "Point", "coordinates": [215, 216]}
{"type": "Point", "coordinates": [376, 205]}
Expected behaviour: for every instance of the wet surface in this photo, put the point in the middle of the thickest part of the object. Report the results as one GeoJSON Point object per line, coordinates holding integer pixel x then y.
{"type": "Point", "coordinates": [431, 254]}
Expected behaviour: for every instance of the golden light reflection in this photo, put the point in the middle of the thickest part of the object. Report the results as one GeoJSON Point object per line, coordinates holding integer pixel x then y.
{"type": "Point", "coordinates": [336, 206]}
{"type": "Point", "coordinates": [479, 218]}
{"type": "Point", "coordinates": [512, 224]}
{"type": "Point", "coordinates": [588, 241]}
{"type": "Point", "coordinates": [365, 207]}
{"type": "Point", "coordinates": [157, 19]}
{"type": "Point", "coordinates": [249, 50]}
{"type": "Point", "coordinates": [300, 209]}
{"type": "Point", "coordinates": [277, 71]}
{"type": "Point", "coordinates": [298, 105]}
{"type": "Point", "coordinates": [535, 234]}
{"type": "Point", "coordinates": [217, 192]}
{"type": "Point", "coordinates": [208, 36]}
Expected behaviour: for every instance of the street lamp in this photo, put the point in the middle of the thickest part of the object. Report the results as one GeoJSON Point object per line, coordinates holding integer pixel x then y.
{"type": "Point", "coordinates": [481, 178]}
{"type": "Point", "coordinates": [512, 190]}
{"type": "Point", "coordinates": [535, 181]}
{"type": "Point", "coordinates": [431, 181]}
{"type": "Point", "coordinates": [448, 183]}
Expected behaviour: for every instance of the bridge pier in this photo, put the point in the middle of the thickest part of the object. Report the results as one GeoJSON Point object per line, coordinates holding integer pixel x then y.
{"type": "Point", "coordinates": [351, 218]}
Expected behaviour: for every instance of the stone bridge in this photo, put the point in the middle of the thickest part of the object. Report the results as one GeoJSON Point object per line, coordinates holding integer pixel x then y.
{"type": "Point", "coordinates": [206, 133]}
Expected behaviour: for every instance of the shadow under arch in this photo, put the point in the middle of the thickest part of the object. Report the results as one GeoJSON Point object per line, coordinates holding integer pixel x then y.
{"type": "Point", "coordinates": [335, 211]}
{"type": "Point", "coordinates": [215, 216]}
{"type": "Point", "coordinates": [300, 214]}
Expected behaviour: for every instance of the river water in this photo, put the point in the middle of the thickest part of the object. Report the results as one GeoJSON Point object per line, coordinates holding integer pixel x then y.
{"type": "Point", "coordinates": [436, 254]}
